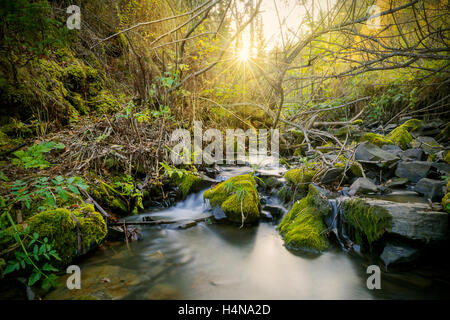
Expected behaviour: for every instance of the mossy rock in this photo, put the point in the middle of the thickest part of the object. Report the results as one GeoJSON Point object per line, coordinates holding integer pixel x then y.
{"type": "Point", "coordinates": [300, 178]}
{"type": "Point", "coordinates": [303, 226]}
{"type": "Point", "coordinates": [355, 169]}
{"type": "Point", "coordinates": [364, 223]}
{"type": "Point", "coordinates": [376, 139]}
{"type": "Point", "coordinates": [186, 183]}
{"type": "Point", "coordinates": [447, 157]}
{"type": "Point", "coordinates": [60, 227]}
{"type": "Point", "coordinates": [288, 194]}
{"type": "Point", "coordinates": [358, 122]}
{"type": "Point", "coordinates": [412, 125]}
{"type": "Point", "coordinates": [238, 199]}
{"type": "Point", "coordinates": [401, 137]}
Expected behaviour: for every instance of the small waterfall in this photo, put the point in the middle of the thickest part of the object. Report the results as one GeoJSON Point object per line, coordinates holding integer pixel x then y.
{"type": "Point", "coordinates": [335, 224]}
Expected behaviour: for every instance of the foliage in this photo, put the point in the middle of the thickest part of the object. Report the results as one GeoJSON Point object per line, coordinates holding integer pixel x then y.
{"type": "Point", "coordinates": [45, 193]}
{"type": "Point", "coordinates": [34, 157]}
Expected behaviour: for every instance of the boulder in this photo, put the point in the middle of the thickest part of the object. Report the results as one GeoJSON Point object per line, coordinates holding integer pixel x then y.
{"type": "Point", "coordinates": [303, 227]}
{"type": "Point", "coordinates": [331, 175]}
{"type": "Point", "coordinates": [414, 154]}
{"type": "Point", "coordinates": [238, 198]}
{"type": "Point", "coordinates": [414, 170]}
{"type": "Point", "coordinates": [394, 254]}
{"type": "Point", "coordinates": [362, 185]}
{"type": "Point", "coordinates": [395, 150]}
{"type": "Point", "coordinates": [396, 182]}
{"type": "Point", "coordinates": [430, 188]}
{"type": "Point", "coordinates": [429, 144]}
{"type": "Point", "coordinates": [414, 220]}
{"type": "Point", "coordinates": [442, 168]}
{"type": "Point", "coordinates": [367, 152]}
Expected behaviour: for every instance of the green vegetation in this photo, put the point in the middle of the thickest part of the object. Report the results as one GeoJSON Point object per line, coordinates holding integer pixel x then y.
{"type": "Point", "coordinates": [303, 226]}
{"type": "Point", "coordinates": [364, 223]}
{"type": "Point", "coordinates": [238, 199]}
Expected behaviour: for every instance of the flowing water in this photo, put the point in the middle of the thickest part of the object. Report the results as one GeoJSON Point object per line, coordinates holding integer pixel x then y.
{"type": "Point", "coordinates": [219, 261]}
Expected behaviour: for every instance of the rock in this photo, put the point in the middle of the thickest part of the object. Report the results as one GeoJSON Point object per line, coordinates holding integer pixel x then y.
{"type": "Point", "coordinates": [401, 135]}
{"type": "Point", "coordinates": [363, 223]}
{"type": "Point", "coordinates": [191, 183]}
{"type": "Point", "coordinates": [396, 182]}
{"type": "Point", "coordinates": [331, 175]}
{"type": "Point", "coordinates": [431, 128]}
{"type": "Point", "coordinates": [397, 254]}
{"type": "Point", "coordinates": [395, 150]}
{"type": "Point", "coordinates": [300, 178]}
{"type": "Point", "coordinates": [431, 189]}
{"type": "Point", "coordinates": [414, 154]}
{"type": "Point", "coordinates": [238, 198]}
{"type": "Point", "coordinates": [429, 144]}
{"type": "Point", "coordinates": [390, 127]}
{"type": "Point", "coordinates": [367, 152]}
{"type": "Point", "coordinates": [376, 139]}
{"type": "Point", "coordinates": [362, 185]}
{"type": "Point", "coordinates": [414, 221]}
{"type": "Point", "coordinates": [414, 170]}
{"type": "Point", "coordinates": [442, 168]}
{"type": "Point", "coordinates": [303, 226]}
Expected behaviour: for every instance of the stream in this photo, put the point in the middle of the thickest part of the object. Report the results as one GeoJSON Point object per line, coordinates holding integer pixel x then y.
{"type": "Point", "coordinates": [220, 261]}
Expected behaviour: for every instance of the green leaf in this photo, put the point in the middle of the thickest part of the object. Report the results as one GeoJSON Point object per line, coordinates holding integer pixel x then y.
{"type": "Point", "coordinates": [35, 276]}
{"type": "Point", "coordinates": [11, 267]}
{"type": "Point", "coordinates": [49, 267]}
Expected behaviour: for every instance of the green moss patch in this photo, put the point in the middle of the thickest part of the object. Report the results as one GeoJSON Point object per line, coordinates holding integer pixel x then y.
{"type": "Point", "coordinates": [238, 199]}
{"type": "Point", "coordinates": [401, 135]}
{"type": "Point", "coordinates": [364, 223]}
{"type": "Point", "coordinates": [300, 178]}
{"type": "Point", "coordinates": [303, 226]}
{"type": "Point", "coordinates": [59, 225]}
{"type": "Point", "coordinates": [376, 139]}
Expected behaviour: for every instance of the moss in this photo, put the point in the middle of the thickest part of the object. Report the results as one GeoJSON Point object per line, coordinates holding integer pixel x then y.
{"type": "Point", "coordinates": [185, 183]}
{"type": "Point", "coordinates": [447, 157]}
{"type": "Point", "coordinates": [364, 223]}
{"type": "Point", "coordinates": [303, 227]}
{"type": "Point", "coordinates": [237, 197]}
{"type": "Point", "coordinates": [103, 102]}
{"type": "Point", "coordinates": [58, 225]}
{"type": "Point", "coordinates": [446, 202]}
{"type": "Point", "coordinates": [77, 101]}
{"type": "Point", "coordinates": [401, 137]}
{"type": "Point", "coordinates": [298, 152]}
{"type": "Point", "coordinates": [358, 122]}
{"type": "Point", "coordinates": [339, 165]}
{"type": "Point", "coordinates": [300, 178]}
{"type": "Point", "coordinates": [412, 125]}
{"type": "Point", "coordinates": [109, 198]}
{"type": "Point", "coordinates": [355, 169]}
{"type": "Point", "coordinates": [287, 194]}
{"type": "Point", "coordinates": [5, 141]}
{"type": "Point", "coordinates": [376, 139]}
